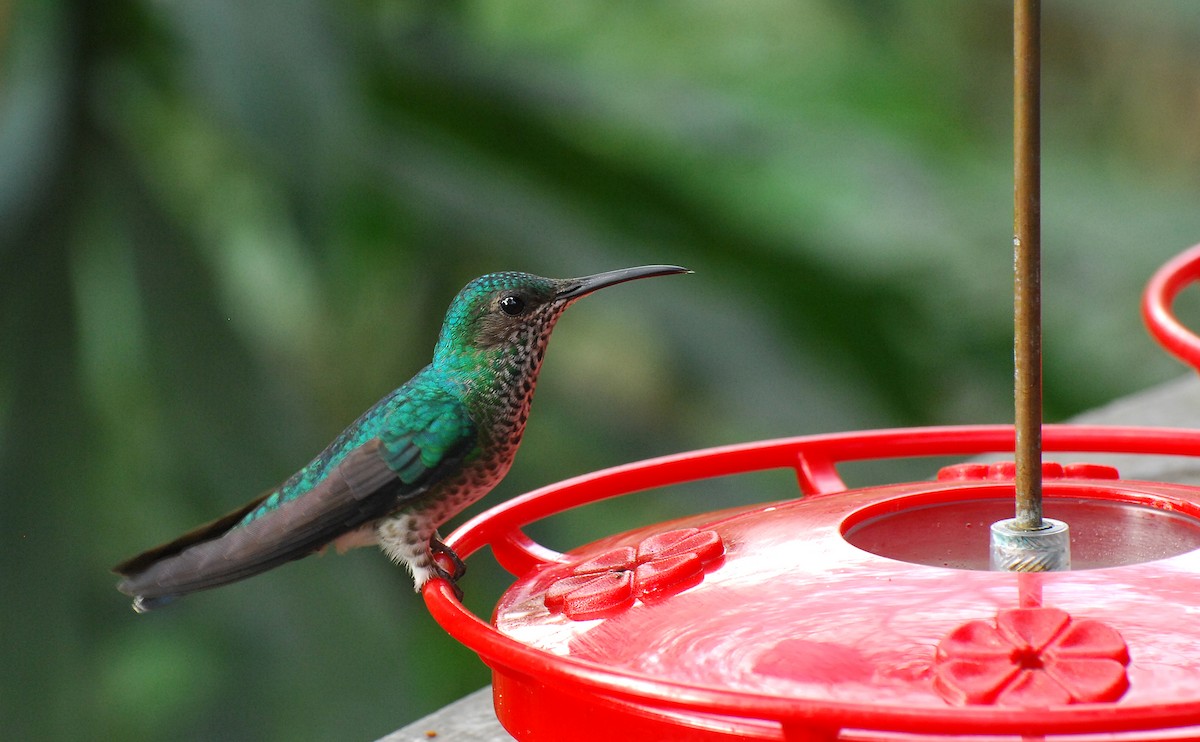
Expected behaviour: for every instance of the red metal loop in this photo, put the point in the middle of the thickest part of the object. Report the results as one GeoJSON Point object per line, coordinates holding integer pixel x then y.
{"type": "Point", "coordinates": [1163, 287]}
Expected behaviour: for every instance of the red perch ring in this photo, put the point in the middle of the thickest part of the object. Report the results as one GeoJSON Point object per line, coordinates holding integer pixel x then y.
{"type": "Point", "coordinates": [1164, 286]}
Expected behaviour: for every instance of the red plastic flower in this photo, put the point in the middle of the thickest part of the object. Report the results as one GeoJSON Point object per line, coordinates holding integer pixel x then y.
{"type": "Point", "coordinates": [1032, 657]}
{"type": "Point", "coordinates": [660, 565]}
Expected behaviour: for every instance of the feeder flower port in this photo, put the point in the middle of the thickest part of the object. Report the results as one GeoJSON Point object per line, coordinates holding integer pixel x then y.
{"type": "Point", "coordinates": [661, 565]}
{"type": "Point", "coordinates": [1032, 657]}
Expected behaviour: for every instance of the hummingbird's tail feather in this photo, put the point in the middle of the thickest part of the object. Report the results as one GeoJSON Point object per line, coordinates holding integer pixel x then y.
{"type": "Point", "coordinates": [361, 489]}
{"type": "Point", "coordinates": [145, 605]}
{"type": "Point", "coordinates": [199, 534]}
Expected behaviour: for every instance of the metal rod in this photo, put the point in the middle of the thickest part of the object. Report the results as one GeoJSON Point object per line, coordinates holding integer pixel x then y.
{"type": "Point", "coordinates": [1027, 239]}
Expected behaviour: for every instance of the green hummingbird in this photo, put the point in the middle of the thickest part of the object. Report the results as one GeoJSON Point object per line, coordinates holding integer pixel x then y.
{"type": "Point", "coordinates": [421, 455]}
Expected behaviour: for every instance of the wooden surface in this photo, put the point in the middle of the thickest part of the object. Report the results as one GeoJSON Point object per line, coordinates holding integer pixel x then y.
{"type": "Point", "coordinates": [1175, 404]}
{"type": "Point", "coordinates": [469, 719]}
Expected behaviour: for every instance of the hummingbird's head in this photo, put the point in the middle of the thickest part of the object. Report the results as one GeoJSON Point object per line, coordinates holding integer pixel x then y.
{"type": "Point", "coordinates": [506, 318]}
{"type": "Point", "coordinates": [498, 311]}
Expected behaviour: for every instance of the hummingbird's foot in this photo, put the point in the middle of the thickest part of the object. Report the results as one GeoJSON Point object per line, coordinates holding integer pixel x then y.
{"type": "Point", "coordinates": [449, 578]}
{"type": "Point", "coordinates": [438, 548]}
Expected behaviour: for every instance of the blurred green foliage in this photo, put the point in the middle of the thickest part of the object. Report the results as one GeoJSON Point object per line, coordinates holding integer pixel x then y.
{"type": "Point", "coordinates": [228, 228]}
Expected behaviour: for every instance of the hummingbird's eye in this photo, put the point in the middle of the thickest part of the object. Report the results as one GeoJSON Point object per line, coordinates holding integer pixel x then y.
{"type": "Point", "coordinates": [512, 305]}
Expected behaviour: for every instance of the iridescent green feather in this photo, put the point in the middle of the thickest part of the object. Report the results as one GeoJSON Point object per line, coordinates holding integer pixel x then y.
{"type": "Point", "coordinates": [430, 425]}
{"type": "Point", "coordinates": [419, 423]}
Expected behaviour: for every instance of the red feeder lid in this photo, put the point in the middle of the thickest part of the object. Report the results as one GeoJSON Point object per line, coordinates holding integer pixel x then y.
{"type": "Point", "coordinates": [868, 610]}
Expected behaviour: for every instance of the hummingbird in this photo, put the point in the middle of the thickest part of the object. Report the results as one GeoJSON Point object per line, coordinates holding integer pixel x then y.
{"type": "Point", "coordinates": [418, 457]}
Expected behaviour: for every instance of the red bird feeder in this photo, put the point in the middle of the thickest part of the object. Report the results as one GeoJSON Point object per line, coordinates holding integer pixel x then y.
{"type": "Point", "coordinates": [850, 614]}
{"type": "Point", "coordinates": [871, 614]}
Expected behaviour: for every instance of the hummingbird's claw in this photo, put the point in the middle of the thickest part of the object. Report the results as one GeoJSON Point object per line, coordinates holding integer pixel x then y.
{"type": "Point", "coordinates": [458, 593]}
{"type": "Point", "coordinates": [438, 571]}
{"type": "Point", "coordinates": [438, 548]}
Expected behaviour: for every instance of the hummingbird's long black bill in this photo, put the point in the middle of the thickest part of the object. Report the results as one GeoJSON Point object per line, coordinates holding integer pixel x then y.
{"type": "Point", "coordinates": [577, 287]}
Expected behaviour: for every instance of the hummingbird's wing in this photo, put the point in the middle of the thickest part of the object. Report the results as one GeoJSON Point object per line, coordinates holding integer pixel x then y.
{"type": "Point", "coordinates": [419, 443]}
